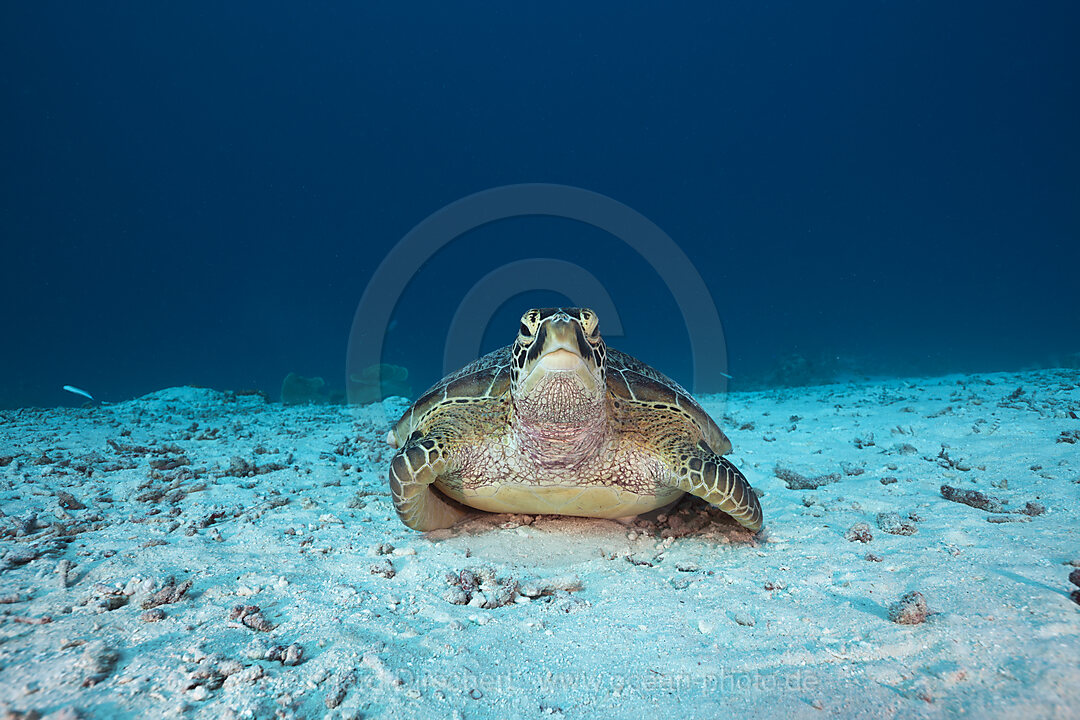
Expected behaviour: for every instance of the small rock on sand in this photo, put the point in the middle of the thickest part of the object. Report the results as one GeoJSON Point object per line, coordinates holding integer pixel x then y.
{"type": "Point", "coordinates": [383, 568]}
{"type": "Point", "coordinates": [909, 610]}
{"type": "Point", "coordinates": [167, 595]}
{"type": "Point", "coordinates": [96, 663]}
{"type": "Point", "coordinates": [798, 481]}
{"type": "Point", "coordinates": [251, 616]}
{"type": "Point", "coordinates": [892, 523]}
{"type": "Point", "coordinates": [859, 532]}
{"type": "Point", "coordinates": [974, 498]}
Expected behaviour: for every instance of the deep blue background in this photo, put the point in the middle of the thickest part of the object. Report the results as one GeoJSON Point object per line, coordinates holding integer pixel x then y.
{"type": "Point", "coordinates": [199, 192]}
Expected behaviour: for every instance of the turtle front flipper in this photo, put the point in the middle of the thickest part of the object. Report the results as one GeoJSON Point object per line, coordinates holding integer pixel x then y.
{"type": "Point", "coordinates": [414, 469]}
{"type": "Point", "coordinates": [699, 471]}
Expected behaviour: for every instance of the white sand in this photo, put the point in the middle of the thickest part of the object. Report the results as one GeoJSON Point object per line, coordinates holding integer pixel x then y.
{"type": "Point", "coordinates": [709, 622]}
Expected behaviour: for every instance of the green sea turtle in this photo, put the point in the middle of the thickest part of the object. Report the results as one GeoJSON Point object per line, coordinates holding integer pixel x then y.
{"type": "Point", "coordinates": [559, 423]}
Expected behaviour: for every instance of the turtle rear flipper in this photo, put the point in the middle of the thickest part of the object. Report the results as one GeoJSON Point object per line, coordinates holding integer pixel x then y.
{"type": "Point", "coordinates": [413, 471]}
{"type": "Point", "coordinates": [699, 471]}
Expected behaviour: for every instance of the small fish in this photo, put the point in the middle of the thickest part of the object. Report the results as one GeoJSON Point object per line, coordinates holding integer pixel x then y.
{"type": "Point", "coordinates": [78, 391]}
{"type": "Point", "coordinates": [725, 375]}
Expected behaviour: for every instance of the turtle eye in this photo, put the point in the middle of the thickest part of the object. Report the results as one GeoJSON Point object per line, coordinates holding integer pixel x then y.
{"type": "Point", "coordinates": [525, 332]}
{"type": "Point", "coordinates": [528, 326]}
{"type": "Point", "coordinates": [590, 323]}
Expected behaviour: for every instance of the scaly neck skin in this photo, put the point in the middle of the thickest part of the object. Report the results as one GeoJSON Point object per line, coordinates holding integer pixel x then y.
{"type": "Point", "coordinates": [560, 440]}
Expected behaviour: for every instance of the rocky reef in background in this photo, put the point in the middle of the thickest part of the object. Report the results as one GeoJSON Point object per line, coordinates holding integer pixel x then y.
{"type": "Point", "coordinates": [373, 384]}
{"type": "Point", "coordinates": [376, 382]}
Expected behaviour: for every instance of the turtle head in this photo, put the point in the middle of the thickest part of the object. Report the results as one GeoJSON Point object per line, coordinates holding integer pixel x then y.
{"type": "Point", "coordinates": [558, 364]}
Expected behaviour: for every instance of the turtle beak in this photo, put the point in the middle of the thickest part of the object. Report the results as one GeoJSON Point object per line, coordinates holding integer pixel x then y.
{"type": "Point", "coordinates": [560, 360]}
{"type": "Point", "coordinates": [562, 350]}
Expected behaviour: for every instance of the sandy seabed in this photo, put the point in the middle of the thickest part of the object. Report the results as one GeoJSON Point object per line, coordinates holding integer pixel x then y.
{"type": "Point", "coordinates": [205, 554]}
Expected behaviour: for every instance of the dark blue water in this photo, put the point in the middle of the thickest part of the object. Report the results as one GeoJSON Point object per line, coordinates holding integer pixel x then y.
{"type": "Point", "coordinates": [199, 193]}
